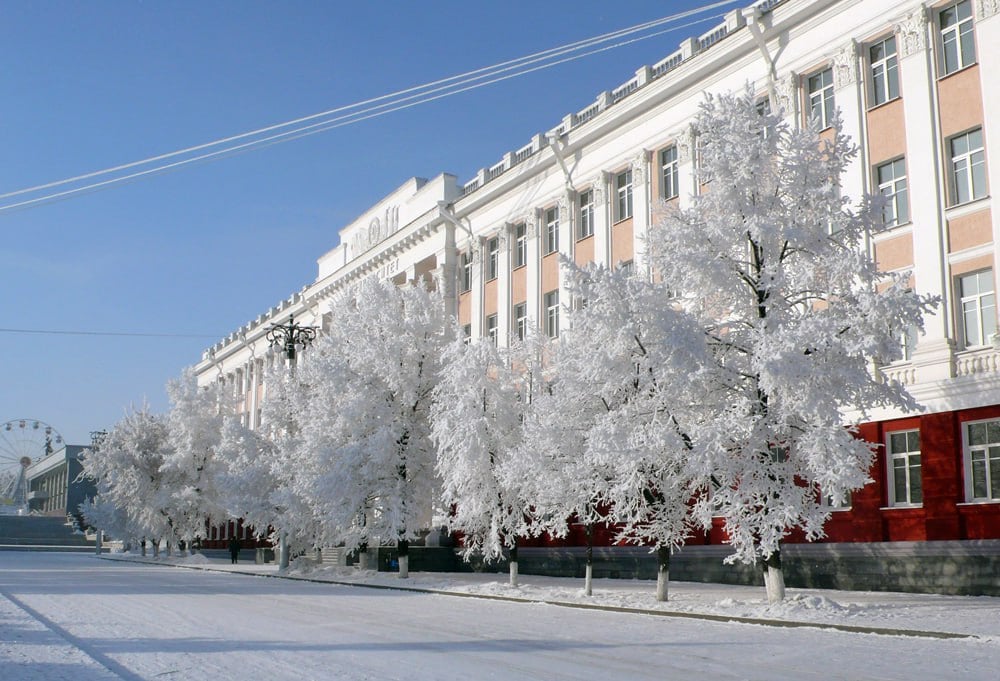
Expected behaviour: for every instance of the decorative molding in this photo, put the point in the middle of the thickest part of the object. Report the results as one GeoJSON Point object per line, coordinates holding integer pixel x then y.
{"type": "Point", "coordinates": [912, 30]}
{"type": "Point", "coordinates": [685, 144]}
{"type": "Point", "coordinates": [845, 66]}
{"type": "Point", "coordinates": [987, 8]}
{"type": "Point", "coordinates": [786, 91]}
{"type": "Point", "coordinates": [639, 167]}
{"type": "Point", "coordinates": [599, 188]}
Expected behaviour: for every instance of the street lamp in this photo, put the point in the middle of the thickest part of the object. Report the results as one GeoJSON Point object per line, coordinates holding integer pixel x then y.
{"type": "Point", "coordinates": [287, 336]}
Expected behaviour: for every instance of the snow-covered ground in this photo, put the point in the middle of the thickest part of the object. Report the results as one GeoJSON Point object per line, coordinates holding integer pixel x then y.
{"type": "Point", "coordinates": [73, 616]}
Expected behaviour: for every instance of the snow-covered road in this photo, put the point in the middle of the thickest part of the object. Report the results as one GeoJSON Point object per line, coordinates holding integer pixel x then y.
{"type": "Point", "coordinates": [71, 616]}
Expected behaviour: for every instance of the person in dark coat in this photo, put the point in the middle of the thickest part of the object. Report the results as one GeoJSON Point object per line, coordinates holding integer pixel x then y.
{"type": "Point", "coordinates": [234, 549]}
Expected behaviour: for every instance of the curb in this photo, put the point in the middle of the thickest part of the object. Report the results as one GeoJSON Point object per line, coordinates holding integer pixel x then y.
{"type": "Point", "coordinates": [785, 624]}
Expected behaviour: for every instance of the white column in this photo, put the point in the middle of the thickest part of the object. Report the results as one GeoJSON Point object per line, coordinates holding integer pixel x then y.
{"type": "Point", "coordinates": [534, 274]}
{"type": "Point", "coordinates": [988, 47]}
{"type": "Point", "coordinates": [602, 219]}
{"type": "Point", "coordinates": [642, 209]}
{"type": "Point", "coordinates": [933, 354]}
{"type": "Point", "coordinates": [687, 182]}
{"type": "Point", "coordinates": [849, 99]}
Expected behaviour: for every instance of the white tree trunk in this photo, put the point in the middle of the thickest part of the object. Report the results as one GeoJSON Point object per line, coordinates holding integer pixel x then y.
{"type": "Point", "coordinates": [662, 582]}
{"type": "Point", "coordinates": [774, 584]}
{"type": "Point", "coordinates": [588, 581]}
{"type": "Point", "coordinates": [283, 551]}
{"type": "Point", "coordinates": [404, 567]}
{"type": "Point", "coordinates": [513, 573]}
{"type": "Point", "coordinates": [363, 560]}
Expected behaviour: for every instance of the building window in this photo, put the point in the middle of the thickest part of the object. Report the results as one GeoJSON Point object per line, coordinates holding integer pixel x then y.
{"type": "Point", "coordinates": [586, 214]}
{"type": "Point", "coordinates": [493, 260]}
{"type": "Point", "coordinates": [627, 267]}
{"type": "Point", "coordinates": [465, 266]}
{"type": "Point", "coordinates": [885, 71]}
{"type": "Point", "coordinates": [821, 98]}
{"type": "Point", "coordinates": [892, 185]}
{"type": "Point", "coordinates": [905, 484]}
{"type": "Point", "coordinates": [491, 329]}
{"type": "Point", "coordinates": [520, 317]}
{"type": "Point", "coordinates": [520, 245]}
{"type": "Point", "coordinates": [552, 314]}
{"type": "Point", "coordinates": [669, 180]}
{"type": "Point", "coordinates": [982, 461]}
{"type": "Point", "coordinates": [958, 47]}
{"type": "Point", "coordinates": [623, 192]}
{"type": "Point", "coordinates": [467, 333]}
{"type": "Point", "coordinates": [978, 305]}
{"type": "Point", "coordinates": [968, 167]}
{"type": "Point", "coordinates": [551, 230]}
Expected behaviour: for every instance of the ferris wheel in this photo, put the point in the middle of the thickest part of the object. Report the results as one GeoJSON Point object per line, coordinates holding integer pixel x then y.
{"type": "Point", "coordinates": [22, 442]}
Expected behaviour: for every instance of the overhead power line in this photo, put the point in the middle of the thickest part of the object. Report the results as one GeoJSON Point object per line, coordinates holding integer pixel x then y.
{"type": "Point", "coordinates": [54, 332]}
{"type": "Point", "coordinates": [358, 111]}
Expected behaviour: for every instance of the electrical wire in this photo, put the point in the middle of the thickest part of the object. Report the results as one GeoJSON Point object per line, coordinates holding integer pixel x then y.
{"type": "Point", "coordinates": [396, 101]}
{"type": "Point", "coordinates": [52, 332]}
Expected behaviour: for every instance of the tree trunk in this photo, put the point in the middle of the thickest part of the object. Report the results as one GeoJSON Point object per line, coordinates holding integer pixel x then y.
{"type": "Point", "coordinates": [774, 578]}
{"type": "Point", "coordinates": [404, 558]}
{"type": "Point", "coordinates": [156, 547]}
{"type": "Point", "coordinates": [513, 565]}
{"type": "Point", "coordinates": [662, 572]}
{"type": "Point", "coordinates": [98, 540]}
{"type": "Point", "coordinates": [588, 580]}
{"type": "Point", "coordinates": [142, 546]}
{"type": "Point", "coordinates": [363, 557]}
{"type": "Point", "coordinates": [283, 551]}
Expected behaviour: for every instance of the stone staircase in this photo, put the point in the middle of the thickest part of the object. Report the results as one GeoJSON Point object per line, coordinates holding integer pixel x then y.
{"type": "Point", "coordinates": [40, 533]}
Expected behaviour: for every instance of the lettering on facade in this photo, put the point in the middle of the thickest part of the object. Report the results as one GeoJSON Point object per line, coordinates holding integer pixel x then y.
{"type": "Point", "coordinates": [379, 229]}
{"type": "Point", "coordinates": [389, 269]}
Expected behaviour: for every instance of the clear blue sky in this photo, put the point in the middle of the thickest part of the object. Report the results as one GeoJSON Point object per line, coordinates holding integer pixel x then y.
{"type": "Point", "coordinates": [202, 250]}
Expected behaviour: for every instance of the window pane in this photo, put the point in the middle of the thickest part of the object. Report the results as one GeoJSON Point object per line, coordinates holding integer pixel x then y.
{"type": "Point", "coordinates": [978, 476]}
{"type": "Point", "coordinates": [977, 434]}
{"type": "Point", "coordinates": [913, 441]}
{"type": "Point", "coordinates": [916, 485]}
{"type": "Point", "coordinates": [897, 442]}
{"type": "Point", "coordinates": [992, 429]}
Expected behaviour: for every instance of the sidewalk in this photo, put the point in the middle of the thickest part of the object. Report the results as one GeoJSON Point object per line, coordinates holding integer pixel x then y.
{"type": "Point", "coordinates": [871, 612]}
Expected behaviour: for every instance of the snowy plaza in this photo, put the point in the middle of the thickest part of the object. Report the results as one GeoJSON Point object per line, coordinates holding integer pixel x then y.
{"type": "Point", "coordinates": [74, 616]}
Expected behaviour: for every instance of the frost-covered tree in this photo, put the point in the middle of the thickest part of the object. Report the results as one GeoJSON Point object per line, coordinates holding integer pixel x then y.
{"type": "Point", "coordinates": [477, 419]}
{"type": "Point", "coordinates": [609, 443]}
{"type": "Point", "coordinates": [771, 261]}
{"type": "Point", "coordinates": [127, 471]}
{"type": "Point", "coordinates": [190, 467]}
{"type": "Point", "coordinates": [365, 463]}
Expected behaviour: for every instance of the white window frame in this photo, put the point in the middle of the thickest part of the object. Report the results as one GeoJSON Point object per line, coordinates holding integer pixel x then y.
{"type": "Point", "coordinates": [669, 173]}
{"type": "Point", "coordinates": [883, 65]}
{"type": "Point", "coordinates": [978, 305]}
{"type": "Point", "coordinates": [520, 317]}
{"type": "Point", "coordinates": [520, 245]}
{"type": "Point", "coordinates": [984, 452]}
{"type": "Point", "coordinates": [465, 266]}
{"type": "Point", "coordinates": [552, 314]}
{"type": "Point", "coordinates": [958, 41]}
{"type": "Point", "coordinates": [904, 467]}
{"type": "Point", "coordinates": [492, 329]}
{"type": "Point", "coordinates": [623, 195]}
{"type": "Point", "coordinates": [586, 204]}
{"type": "Point", "coordinates": [551, 230]}
{"type": "Point", "coordinates": [968, 167]}
{"type": "Point", "coordinates": [819, 86]}
{"type": "Point", "coordinates": [493, 258]}
{"type": "Point", "coordinates": [892, 184]}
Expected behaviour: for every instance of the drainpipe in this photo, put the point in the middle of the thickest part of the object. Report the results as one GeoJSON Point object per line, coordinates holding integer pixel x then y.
{"type": "Point", "coordinates": [751, 14]}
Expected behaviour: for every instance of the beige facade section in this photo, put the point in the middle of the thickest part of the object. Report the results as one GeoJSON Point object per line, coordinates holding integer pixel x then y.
{"type": "Point", "coordinates": [967, 231]}
{"type": "Point", "coordinates": [490, 297]}
{"type": "Point", "coordinates": [465, 308]}
{"type": "Point", "coordinates": [519, 285]}
{"type": "Point", "coordinates": [886, 132]}
{"type": "Point", "coordinates": [622, 245]}
{"type": "Point", "coordinates": [550, 272]}
{"type": "Point", "coordinates": [584, 251]}
{"type": "Point", "coordinates": [960, 98]}
{"type": "Point", "coordinates": [894, 254]}
{"type": "Point", "coordinates": [972, 265]}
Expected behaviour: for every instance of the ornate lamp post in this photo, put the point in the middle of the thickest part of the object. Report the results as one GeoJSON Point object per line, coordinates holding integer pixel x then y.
{"type": "Point", "coordinates": [287, 337]}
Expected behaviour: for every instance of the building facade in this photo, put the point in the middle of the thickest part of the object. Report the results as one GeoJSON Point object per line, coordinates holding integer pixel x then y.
{"type": "Point", "coordinates": [910, 81]}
